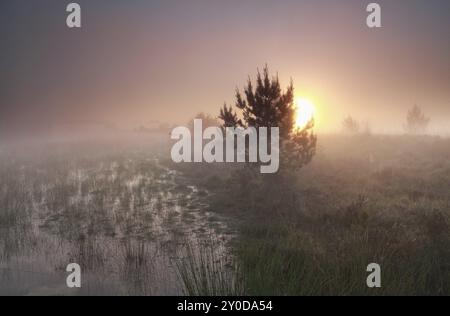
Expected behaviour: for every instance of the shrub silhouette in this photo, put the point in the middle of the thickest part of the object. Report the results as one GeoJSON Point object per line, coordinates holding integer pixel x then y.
{"type": "Point", "coordinates": [350, 126]}
{"type": "Point", "coordinates": [207, 121]}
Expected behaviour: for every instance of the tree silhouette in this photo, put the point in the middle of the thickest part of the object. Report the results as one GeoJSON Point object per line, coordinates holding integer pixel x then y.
{"type": "Point", "coordinates": [416, 121]}
{"type": "Point", "coordinates": [350, 125]}
{"type": "Point", "coordinates": [267, 105]}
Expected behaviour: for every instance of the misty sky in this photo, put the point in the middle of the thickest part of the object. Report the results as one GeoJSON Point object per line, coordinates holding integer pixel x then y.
{"type": "Point", "coordinates": [137, 61]}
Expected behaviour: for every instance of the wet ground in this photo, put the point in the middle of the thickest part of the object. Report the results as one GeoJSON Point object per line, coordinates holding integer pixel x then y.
{"type": "Point", "coordinates": [125, 218]}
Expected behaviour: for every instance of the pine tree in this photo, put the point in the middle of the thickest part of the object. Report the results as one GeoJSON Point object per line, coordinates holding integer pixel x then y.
{"type": "Point", "coordinates": [416, 121]}
{"type": "Point", "coordinates": [267, 105]}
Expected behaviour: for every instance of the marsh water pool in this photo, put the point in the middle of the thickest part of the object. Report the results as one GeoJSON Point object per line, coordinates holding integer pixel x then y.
{"type": "Point", "coordinates": [134, 226]}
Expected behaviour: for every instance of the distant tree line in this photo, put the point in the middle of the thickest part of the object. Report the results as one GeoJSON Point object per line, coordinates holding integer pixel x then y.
{"type": "Point", "coordinates": [416, 123]}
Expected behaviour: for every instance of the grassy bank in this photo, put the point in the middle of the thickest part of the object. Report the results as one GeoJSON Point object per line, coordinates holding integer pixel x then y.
{"type": "Point", "coordinates": [363, 199]}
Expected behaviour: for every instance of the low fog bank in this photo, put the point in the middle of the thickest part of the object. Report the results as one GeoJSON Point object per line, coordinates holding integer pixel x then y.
{"type": "Point", "coordinates": [90, 139]}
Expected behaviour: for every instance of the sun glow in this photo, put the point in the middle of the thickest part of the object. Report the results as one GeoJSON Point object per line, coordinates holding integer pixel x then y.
{"type": "Point", "coordinates": [304, 112]}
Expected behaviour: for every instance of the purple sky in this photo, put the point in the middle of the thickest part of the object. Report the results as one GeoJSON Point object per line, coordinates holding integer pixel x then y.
{"type": "Point", "coordinates": [133, 62]}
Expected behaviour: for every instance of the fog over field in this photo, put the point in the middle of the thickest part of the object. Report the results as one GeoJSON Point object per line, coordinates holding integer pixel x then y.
{"type": "Point", "coordinates": [103, 165]}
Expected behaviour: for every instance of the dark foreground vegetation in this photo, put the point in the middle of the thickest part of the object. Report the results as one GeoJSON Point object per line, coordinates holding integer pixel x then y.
{"type": "Point", "coordinates": [364, 199]}
{"type": "Point", "coordinates": [139, 224]}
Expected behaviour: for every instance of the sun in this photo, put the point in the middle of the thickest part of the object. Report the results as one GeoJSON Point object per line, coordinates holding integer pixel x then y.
{"type": "Point", "coordinates": [304, 112]}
